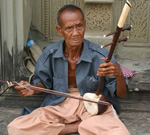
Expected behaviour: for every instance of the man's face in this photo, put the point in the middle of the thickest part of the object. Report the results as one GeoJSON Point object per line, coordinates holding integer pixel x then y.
{"type": "Point", "coordinates": [72, 28]}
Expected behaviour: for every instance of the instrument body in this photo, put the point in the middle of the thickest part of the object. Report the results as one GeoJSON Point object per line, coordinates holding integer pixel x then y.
{"type": "Point", "coordinates": [94, 108]}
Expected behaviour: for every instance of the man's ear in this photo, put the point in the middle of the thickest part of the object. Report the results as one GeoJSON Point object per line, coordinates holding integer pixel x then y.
{"type": "Point", "coordinates": [59, 31]}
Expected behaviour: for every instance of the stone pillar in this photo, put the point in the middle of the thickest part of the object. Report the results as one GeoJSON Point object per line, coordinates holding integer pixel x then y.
{"type": "Point", "coordinates": [0, 45]}
{"type": "Point", "coordinates": [8, 32]}
{"type": "Point", "coordinates": [15, 25]}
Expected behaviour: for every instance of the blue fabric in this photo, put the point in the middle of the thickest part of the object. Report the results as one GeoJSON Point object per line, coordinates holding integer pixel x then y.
{"type": "Point", "coordinates": [52, 71]}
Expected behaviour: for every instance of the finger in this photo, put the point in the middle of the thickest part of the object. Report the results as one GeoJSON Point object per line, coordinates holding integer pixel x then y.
{"type": "Point", "coordinates": [22, 82]}
{"type": "Point", "coordinates": [21, 94]}
{"type": "Point", "coordinates": [106, 69]}
{"type": "Point", "coordinates": [18, 88]}
{"type": "Point", "coordinates": [27, 93]}
{"type": "Point", "coordinates": [22, 91]}
{"type": "Point", "coordinates": [104, 59]}
{"type": "Point", "coordinates": [26, 83]}
{"type": "Point", "coordinates": [108, 73]}
{"type": "Point", "coordinates": [104, 65]}
{"type": "Point", "coordinates": [22, 85]}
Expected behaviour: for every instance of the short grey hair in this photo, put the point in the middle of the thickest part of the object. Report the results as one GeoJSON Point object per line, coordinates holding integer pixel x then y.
{"type": "Point", "coordinates": [69, 7]}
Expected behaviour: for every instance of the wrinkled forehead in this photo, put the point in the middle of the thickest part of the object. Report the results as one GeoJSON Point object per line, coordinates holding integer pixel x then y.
{"type": "Point", "coordinates": [69, 15]}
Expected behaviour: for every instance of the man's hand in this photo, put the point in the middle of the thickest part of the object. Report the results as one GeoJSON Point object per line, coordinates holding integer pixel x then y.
{"type": "Point", "coordinates": [23, 91]}
{"type": "Point", "coordinates": [109, 69]}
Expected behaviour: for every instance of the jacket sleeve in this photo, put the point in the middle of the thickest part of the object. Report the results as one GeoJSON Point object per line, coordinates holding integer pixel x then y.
{"type": "Point", "coordinates": [43, 72]}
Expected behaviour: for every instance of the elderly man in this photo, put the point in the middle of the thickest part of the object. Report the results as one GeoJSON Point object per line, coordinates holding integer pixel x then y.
{"type": "Point", "coordinates": [73, 65]}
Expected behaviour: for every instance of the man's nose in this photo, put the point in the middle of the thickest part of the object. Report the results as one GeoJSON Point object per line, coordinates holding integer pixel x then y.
{"type": "Point", "coordinates": [75, 31]}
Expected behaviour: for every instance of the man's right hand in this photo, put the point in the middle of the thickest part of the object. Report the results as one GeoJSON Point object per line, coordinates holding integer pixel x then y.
{"type": "Point", "coordinates": [23, 91]}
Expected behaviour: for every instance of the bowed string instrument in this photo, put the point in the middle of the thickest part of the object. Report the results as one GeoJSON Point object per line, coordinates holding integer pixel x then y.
{"type": "Point", "coordinates": [95, 103]}
{"type": "Point", "coordinates": [94, 109]}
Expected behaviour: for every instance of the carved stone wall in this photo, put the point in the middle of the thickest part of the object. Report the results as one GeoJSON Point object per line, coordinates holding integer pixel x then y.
{"type": "Point", "coordinates": [44, 16]}
{"type": "Point", "coordinates": [98, 15]}
{"type": "Point", "coordinates": [139, 18]}
{"type": "Point", "coordinates": [138, 45]}
{"type": "Point", "coordinates": [98, 18]}
{"type": "Point", "coordinates": [102, 17]}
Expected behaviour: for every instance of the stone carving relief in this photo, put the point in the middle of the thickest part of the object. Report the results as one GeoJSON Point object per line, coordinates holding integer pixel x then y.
{"type": "Point", "coordinates": [98, 1]}
{"type": "Point", "coordinates": [139, 18]}
{"type": "Point", "coordinates": [98, 17]}
{"type": "Point", "coordinates": [44, 16]}
{"type": "Point", "coordinates": [37, 15]}
{"type": "Point", "coordinates": [54, 6]}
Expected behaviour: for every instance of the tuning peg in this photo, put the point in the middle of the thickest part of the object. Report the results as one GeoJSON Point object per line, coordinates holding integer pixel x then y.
{"type": "Point", "coordinates": [127, 27]}
{"type": "Point", "coordinates": [109, 34]}
{"type": "Point", "coordinates": [102, 46]}
{"type": "Point", "coordinates": [124, 38]}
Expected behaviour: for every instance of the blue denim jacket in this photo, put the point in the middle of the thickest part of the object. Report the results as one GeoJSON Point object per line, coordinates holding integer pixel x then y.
{"type": "Point", "coordinates": [52, 71]}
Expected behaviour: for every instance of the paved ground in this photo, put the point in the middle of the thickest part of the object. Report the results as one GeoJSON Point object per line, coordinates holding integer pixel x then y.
{"type": "Point", "coordinates": [135, 113]}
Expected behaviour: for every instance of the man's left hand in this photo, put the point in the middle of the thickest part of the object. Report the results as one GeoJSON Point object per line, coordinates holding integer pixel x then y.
{"type": "Point", "coordinates": [109, 69]}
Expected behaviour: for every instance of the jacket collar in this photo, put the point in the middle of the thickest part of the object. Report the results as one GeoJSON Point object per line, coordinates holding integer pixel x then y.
{"type": "Point", "coordinates": [84, 56]}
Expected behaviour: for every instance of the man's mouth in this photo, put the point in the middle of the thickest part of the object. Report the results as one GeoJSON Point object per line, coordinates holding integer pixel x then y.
{"type": "Point", "coordinates": [76, 40]}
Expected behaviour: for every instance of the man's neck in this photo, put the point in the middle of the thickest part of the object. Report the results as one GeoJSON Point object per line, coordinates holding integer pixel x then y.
{"type": "Point", "coordinates": [73, 53]}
